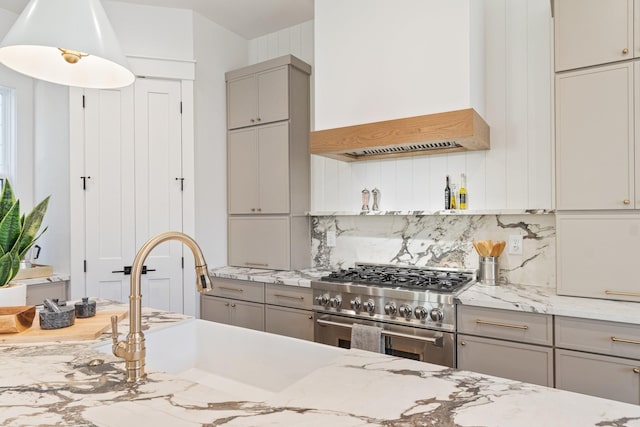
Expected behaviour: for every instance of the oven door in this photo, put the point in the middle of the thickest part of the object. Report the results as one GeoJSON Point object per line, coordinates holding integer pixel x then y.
{"type": "Point", "coordinates": [420, 344]}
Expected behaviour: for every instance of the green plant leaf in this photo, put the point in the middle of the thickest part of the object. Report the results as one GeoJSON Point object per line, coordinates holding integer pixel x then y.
{"type": "Point", "coordinates": [31, 226]}
{"type": "Point", "coordinates": [6, 199]}
{"type": "Point", "coordinates": [15, 265]}
{"type": "Point", "coordinates": [5, 268]}
{"type": "Point", "coordinates": [10, 228]}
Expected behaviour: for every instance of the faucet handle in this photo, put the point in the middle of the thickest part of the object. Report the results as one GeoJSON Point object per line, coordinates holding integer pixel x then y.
{"type": "Point", "coordinates": [114, 329]}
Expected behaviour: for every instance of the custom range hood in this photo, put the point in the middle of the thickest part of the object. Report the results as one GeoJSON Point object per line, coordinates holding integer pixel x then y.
{"type": "Point", "coordinates": [449, 132]}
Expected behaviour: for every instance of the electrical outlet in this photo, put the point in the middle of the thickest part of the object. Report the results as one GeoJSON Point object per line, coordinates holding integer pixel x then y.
{"type": "Point", "coordinates": [515, 245]}
{"type": "Point", "coordinates": [331, 239]}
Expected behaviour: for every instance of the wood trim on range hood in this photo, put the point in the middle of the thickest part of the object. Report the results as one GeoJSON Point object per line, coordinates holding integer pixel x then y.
{"type": "Point", "coordinates": [450, 132]}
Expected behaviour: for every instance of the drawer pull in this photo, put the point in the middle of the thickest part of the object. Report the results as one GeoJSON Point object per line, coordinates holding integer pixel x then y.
{"type": "Point", "coordinates": [288, 296]}
{"type": "Point", "coordinates": [624, 340]}
{"type": "Point", "coordinates": [624, 294]}
{"type": "Point", "coordinates": [463, 343]}
{"type": "Point", "coordinates": [256, 264]}
{"type": "Point", "coordinates": [636, 371]}
{"type": "Point", "coordinates": [231, 289]}
{"type": "Point", "coordinates": [504, 325]}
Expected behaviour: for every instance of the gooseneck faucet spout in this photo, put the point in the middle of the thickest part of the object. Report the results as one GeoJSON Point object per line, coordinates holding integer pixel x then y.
{"type": "Point", "coordinates": [133, 349]}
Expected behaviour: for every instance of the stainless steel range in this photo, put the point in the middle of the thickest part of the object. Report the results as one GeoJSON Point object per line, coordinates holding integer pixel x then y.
{"type": "Point", "coordinates": [413, 305]}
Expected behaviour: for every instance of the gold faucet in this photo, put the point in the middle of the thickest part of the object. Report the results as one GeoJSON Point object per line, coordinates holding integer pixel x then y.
{"type": "Point", "coordinates": [133, 349]}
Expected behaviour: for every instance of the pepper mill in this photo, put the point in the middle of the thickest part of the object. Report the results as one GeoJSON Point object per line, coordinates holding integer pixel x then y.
{"type": "Point", "coordinates": [365, 200]}
{"type": "Point", "coordinates": [376, 199]}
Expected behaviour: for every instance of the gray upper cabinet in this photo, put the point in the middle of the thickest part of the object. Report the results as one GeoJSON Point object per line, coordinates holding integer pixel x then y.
{"type": "Point", "coordinates": [259, 169]}
{"type": "Point", "coordinates": [258, 98]}
{"type": "Point", "coordinates": [592, 32]}
{"type": "Point", "coordinates": [268, 164]}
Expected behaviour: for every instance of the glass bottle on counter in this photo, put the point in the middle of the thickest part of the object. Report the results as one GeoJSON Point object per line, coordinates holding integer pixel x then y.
{"type": "Point", "coordinates": [447, 195]}
{"type": "Point", "coordinates": [462, 194]}
{"type": "Point", "coordinates": [454, 197]}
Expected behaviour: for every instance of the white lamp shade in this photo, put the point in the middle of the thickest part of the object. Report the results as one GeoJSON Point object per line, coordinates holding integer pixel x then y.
{"type": "Point", "coordinates": [32, 46]}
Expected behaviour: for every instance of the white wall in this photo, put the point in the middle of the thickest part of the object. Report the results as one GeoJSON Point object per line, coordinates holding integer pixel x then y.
{"type": "Point", "coordinates": [377, 60]}
{"type": "Point", "coordinates": [217, 50]}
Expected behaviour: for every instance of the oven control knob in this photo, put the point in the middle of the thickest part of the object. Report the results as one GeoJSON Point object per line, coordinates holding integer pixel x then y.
{"type": "Point", "coordinates": [356, 304]}
{"type": "Point", "coordinates": [390, 308]}
{"type": "Point", "coordinates": [421, 312]}
{"type": "Point", "coordinates": [336, 302]}
{"type": "Point", "coordinates": [437, 315]}
{"type": "Point", "coordinates": [323, 300]}
{"type": "Point", "coordinates": [369, 306]}
{"type": "Point", "coordinates": [405, 311]}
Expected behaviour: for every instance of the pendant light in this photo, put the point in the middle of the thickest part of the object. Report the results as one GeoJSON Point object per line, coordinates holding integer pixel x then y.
{"type": "Point", "coordinates": [69, 42]}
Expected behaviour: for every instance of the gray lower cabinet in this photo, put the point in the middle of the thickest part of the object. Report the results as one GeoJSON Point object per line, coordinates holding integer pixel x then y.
{"type": "Point", "coordinates": [598, 358]}
{"type": "Point", "coordinates": [288, 311]}
{"type": "Point", "coordinates": [513, 360]}
{"type": "Point", "coordinates": [506, 344]}
{"type": "Point", "coordinates": [597, 375]}
{"type": "Point", "coordinates": [233, 312]}
{"type": "Point", "coordinates": [38, 292]}
{"type": "Point", "coordinates": [291, 322]}
{"type": "Point", "coordinates": [234, 302]}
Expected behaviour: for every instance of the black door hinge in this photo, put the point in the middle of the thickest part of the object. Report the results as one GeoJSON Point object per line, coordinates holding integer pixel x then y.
{"type": "Point", "coordinates": [181, 183]}
{"type": "Point", "coordinates": [83, 102]}
{"type": "Point", "coordinates": [182, 263]}
{"type": "Point", "coordinates": [84, 181]}
{"type": "Point", "coordinates": [180, 107]}
{"type": "Point", "coordinates": [85, 265]}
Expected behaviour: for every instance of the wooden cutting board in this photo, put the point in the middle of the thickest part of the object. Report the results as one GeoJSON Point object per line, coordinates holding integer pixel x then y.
{"type": "Point", "coordinates": [83, 329]}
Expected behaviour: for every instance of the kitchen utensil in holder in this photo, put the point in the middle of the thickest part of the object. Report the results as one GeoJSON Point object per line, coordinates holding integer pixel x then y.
{"type": "Point", "coordinates": [488, 274]}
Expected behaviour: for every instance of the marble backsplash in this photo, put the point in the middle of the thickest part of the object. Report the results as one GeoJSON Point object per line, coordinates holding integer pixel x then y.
{"type": "Point", "coordinates": [438, 240]}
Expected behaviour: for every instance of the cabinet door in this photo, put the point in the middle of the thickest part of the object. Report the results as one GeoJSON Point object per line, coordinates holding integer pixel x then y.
{"type": "Point", "coordinates": [597, 255]}
{"type": "Point", "coordinates": [289, 321]}
{"type": "Point", "coordinates": [242, 102]}
{"type": "Point", "coordinates": [215, 309]}
{"type": "Point", "coordinates": [603, 376]}
{"type": "Point", "coordinates": [636, 28]}
{"type": "Point", "coordinates": [259, 242]}
{"type": "Point", "coordinates": [516, 361]}
{"type": "Point", "coordinates": [273, 95]}
{"type": "Point", "coordinates": [242, 170]}
{"type": "Point", "coordinates": [594, 138]}
{"type": "Point", "coordinates": [247, 314]}
{"type": "Point", "coordinates": [273, 181]}
{"type": "Point", "coordinates": [591, 32]}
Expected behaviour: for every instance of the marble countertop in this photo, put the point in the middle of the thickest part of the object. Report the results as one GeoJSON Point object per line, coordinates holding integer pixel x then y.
{"type": "Point", "coordinates": [535, 299]}
{"type": "Point", "coordinates": [54, 384]}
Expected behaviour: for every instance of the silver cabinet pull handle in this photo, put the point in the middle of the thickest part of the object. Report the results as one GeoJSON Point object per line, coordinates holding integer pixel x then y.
{"type": "Point", "coordinates": [624, 340]}
{"type": "Point", "coordinates": [636, 371]}
{"type": "Point", "coordinates": [504, 325]}
{"type": "Point", "coordinates": [231, 289]}
{"type": "Point", "coordinates": [621, 293]}
{"type": "Point", "coordinates": [288, 296]}
{"type": "Point", "coordinates": [387, 333]}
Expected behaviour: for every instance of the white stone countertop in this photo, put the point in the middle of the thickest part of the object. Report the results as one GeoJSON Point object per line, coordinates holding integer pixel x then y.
{"type": "Point", "coordinates": [535, 299]}
{"type": "Point", "coordinates": [53, 384]}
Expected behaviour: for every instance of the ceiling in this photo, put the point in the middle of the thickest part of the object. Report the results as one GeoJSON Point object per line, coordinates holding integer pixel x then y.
{"type": "Point", "coordinates": [248, 18]}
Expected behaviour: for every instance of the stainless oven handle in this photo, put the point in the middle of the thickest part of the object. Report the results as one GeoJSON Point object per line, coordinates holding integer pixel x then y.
{"type": "Point", "coordinates": [387, 333]}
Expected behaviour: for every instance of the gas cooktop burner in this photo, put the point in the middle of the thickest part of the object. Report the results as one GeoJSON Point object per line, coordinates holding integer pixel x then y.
{"type": "Point", "coordinates": [414, 278]}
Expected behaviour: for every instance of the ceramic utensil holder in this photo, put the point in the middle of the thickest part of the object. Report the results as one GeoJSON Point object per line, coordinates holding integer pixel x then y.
{"type": "Point", "coordinates": [488, 274]}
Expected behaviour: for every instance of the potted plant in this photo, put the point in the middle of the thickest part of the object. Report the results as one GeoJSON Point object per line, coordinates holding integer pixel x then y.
{"type": "Point", "coordinates": [18, 232]}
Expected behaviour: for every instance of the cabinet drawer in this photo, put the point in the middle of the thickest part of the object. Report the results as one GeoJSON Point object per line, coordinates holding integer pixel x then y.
{"type": "Point", "coordinates": [516, 361]}
{"type": "Point", "coordinates": [288, 296]}
{"type": "Point", "coordinates": [511, 325]}
{"type": "Point", "coordinates": [38, 293]}
{"type": "Point", "coordinates": [238, 289]}
{"type": "Point", "coordinates": [598, 336]}
{"type": "Point", "coordinates": [596, 375]}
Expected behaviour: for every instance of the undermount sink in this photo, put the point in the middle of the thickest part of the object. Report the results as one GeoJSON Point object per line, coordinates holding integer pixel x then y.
{"type": "Point", "coordinates": [244, 363]}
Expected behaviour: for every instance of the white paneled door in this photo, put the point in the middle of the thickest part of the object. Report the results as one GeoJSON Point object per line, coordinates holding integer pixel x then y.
{"type": "Point", "coordinates": [131, 182]}
{"type": "Point", "coordinates": [158, 176]}
{"type": "Point", "coordinates": [107, 185]}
